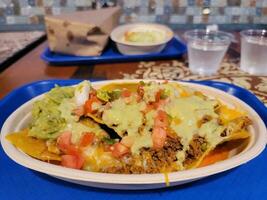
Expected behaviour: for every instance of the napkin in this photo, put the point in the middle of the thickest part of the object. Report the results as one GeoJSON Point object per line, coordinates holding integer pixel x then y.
{"type": "Point", "coordinates": [81, 33]}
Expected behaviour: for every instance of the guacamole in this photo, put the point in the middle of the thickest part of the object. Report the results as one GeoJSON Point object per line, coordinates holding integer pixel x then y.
{"type": "Point", "coordinates": [47, 120]}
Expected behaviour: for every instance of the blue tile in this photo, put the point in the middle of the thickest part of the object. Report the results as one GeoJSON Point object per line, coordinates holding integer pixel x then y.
{"type": "Point", "coordinates": [191, 2]}
{"type": "Point", "coordinates": [173, 11]}
{"type": "Point", "coordinates": [127, 11]}
{"type": "Point", "coordinates": [23, 3]}
{"type": "Point", "coordinates": [197, 19]}
{"type": "Point", "coordinates": [258, 11]}
{"type": "Point", "coordinates": [243, 19]}
{"type": "Point", "coordinates": [159, 10]}
{"type": "Point", "coordinates": [56, 3]}
{"type": "Point", "coordinates": [2, 20]}
{"type": "Point", "coordinates": [144, 3]}
{"type": "Point", "coordinates": [159, 18]}
{"type": "Point", "coordinates": [206, 2]}
{"type": "Point", "coordinates": [257, 19]}
{"type": "Point", "coordinates": [217, 3]}
{"type": "Point", "coordinates": [264, 20]}
{"type": "Point", "coordinates": [259, 3]}
{"type": "Point", "coordinates": [9, 11]}
{"type": "Point", "coordinates": [168, 2]}
{"type": "Point", "coordinates": [167, 10]}
{"type": "Point", "coordinates": [178, 19]}
{"type": "Point", "coordinates": [69, 3]}
{"type": "Point", "coordinates": [143, 10]}
{"type": "Point", "coordinates": [252, 11]}
{"type": "Point", "coordinates": [193, 11]}
{"type": "Point", "coordinates": [31, 2]}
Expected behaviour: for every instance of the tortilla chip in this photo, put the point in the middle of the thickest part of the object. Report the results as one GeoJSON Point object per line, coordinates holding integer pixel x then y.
{"type": "Point", "coordinates": [34, 147]}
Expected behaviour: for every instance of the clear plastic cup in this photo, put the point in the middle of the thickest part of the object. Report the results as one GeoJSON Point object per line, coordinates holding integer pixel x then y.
{"type": "Point", "coordinates": [254, 51]}
{"type": "Point", "coordinates": [206, 50]}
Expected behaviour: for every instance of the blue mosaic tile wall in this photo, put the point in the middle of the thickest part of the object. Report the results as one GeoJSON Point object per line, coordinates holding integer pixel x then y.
{"type": "Point", "coordinates": [20, 12]}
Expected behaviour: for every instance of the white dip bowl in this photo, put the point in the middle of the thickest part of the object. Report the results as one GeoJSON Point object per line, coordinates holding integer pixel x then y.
{"type": "Point", "coordinates": [162, 34]}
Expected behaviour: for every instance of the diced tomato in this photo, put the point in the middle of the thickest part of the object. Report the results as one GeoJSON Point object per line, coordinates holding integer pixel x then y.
{"type": "Point", "coordinates": [157, 96]}
{"type": "Point", "coordinates": [80, 161]}
{"type": "Point", "coordinates": [79, 111]}
{"type": "Point", "coordinates": [148, 108]}
{"type": "Point", "coordinates": [154, 105]}
{"type": "Point", "coordinates": [161, 119]}
{"type": "Point", "coordinates": [140, 93]}
{"type": "Point", "coordinates": [64, 140]}
{"type": "Point", "coordinates": [87, 139]}
{"type": "Point", "coordinates": [72, 150]}
{"type": "Point", "coordinates": [127, 141]}
{"type": "Point", "coordinates": [88, 104]}
{"type": "Point", "coordinates": [65, 145]}
{"type": "Point", "coordinates": [69, 161]}
{"type": "Point", "coordinates": [159, 133]}
{"type": "Point", "coordinates": [159, 103]}
{"type": "Point", "coordinates": [93, 92]}
{"type": "Point", "coordinates": [107, 147]}
{"type": "Point", "coordinates": [118, 150]}
{"type": "Point", "coordinates": [165, 82]}
{"type": "Point", "coordinates": [73, 157]}
{"type": "Point", "coordinates": [159, 136]}
{"type": "Point", "coordinates": [138, 98]}
{"type": "Point", "coordinates": [126, 93]}
{"type": "Point", "coordinates": [140, 90]}
{"type": "Point", "coordinates": [72, 161]}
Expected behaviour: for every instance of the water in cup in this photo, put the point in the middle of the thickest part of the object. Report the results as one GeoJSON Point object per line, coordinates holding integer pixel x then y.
{"type": "Point", "coordinates": [254, 55]}
{"type": "Point", "coordinates": [204, 59]}
{"type": "Point", "coordinates": [206, 50]}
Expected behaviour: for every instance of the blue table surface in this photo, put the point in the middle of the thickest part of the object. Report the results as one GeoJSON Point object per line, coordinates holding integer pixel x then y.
{"type": "Point", "coordinates": [248, 181]}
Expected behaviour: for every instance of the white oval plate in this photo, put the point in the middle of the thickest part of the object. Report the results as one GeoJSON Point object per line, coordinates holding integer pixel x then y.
{"type": "Point", "coordinates": [21, 117]}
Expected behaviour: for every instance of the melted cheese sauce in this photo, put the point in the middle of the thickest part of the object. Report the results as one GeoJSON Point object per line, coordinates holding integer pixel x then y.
{"type": "Point", "coordinates": [140, 142]}
{"type": "Point", "coordinates": [77, 128]}
{"type": "Point", "coordinates": [123, 117]}
{"type": "Point", "coordinates": [189, 110]}
{"type": "Point", "coordinates": [170, 89]}
{"type": "Point", "coordinates": [212, 132]}
{"type": "Point", "coordinates": [185, 107]}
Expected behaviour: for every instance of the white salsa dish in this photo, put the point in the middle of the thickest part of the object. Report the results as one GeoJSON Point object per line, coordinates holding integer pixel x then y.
{"type": "Point", "coordinates": [141, 38]}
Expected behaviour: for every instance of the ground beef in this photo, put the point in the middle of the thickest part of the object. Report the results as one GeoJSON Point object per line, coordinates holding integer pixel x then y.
{"type": "Point", "coordinates": [164, 157]}
{"type": "Point", "coordinates": [197, 147]}
{"type": "Point", "coordinates": [150, 160]}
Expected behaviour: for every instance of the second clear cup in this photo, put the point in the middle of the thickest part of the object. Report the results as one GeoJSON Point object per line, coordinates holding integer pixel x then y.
{"type": "Point", "coordinates": [206, 50]}
{"type": "Point", "coordinates": [254, 52]}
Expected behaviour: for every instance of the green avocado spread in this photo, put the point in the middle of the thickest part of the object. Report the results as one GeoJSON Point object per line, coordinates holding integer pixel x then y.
{"type": "Point", "coordinates": [47, 120]}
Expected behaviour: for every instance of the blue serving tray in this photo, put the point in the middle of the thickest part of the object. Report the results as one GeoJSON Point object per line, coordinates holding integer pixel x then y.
{"type": "Point", "coordinates": [173, 49]}
{"type": "Point", "coordinates": [248, 181]}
